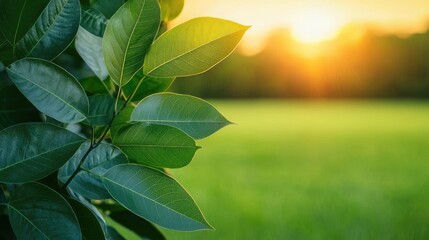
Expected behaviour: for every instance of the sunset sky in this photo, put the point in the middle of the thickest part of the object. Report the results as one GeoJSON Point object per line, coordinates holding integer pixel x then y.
{"type": "Point", "coordinates": [312, 20]}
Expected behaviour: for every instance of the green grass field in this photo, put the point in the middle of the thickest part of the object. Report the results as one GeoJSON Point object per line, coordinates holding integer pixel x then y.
{"type": "Point", "coordinates": [313, 170]}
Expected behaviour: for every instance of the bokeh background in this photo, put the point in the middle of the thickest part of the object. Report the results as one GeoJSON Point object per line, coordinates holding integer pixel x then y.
{"type": "Point", "coordinates": [331, 139]}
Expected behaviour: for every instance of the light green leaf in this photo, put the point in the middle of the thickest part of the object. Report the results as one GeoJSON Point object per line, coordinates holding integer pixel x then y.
{"type": "Point", "coordinates": [156, 145]}
{"type": "Point", "coordinates": [52, 32]}
{"type": "Point", "coordinates": [154, 196]}
{"type": "Point", "coordinates": [88, 222]}
{"type": "Point", "coordinates": [170, 9]}
{"type": "Point", "coordinates": [192, 47]}
{"type": "Point", "coordinates": [98, 161]}
{"type": "Point", "coordinates": [89, 48]}
{"type": "Point", "coordinates": [192, 115]}
{"type": "Point", "coordinates": [51, 89]}
{"type": "Point", "coordinates": [108, 7]}
{"type": "Point", "coordinates": [128, 36]}
{"type": "Point", "coordinates": [38, 212]}
{"type": "Point", "coordinates": [15, 108]}
{"type": "Point", "coordinates": [148, 86]}
{"type": "Point", "coordinates": [31, 151]}
{"type": "Point", "coordinates": [94, 21]}
{"type": "Point", "coordinates": [101, 110]}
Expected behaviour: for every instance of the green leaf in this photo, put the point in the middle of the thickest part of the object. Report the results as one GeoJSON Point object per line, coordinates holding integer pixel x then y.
{"type": "Point", "coordinates": [31, 151]}
{"type": "Point", "coordinates": [136, 224]}
{"type": "Point", "coordinates": [170, 9]}
{"type": "Point", "coordinates": [89, 225]}
{"type": "Point", "coordinates": [156, 145]}
{"type": "Point", "coordinates": [148, 86]}
{"type": "Point", "coordinates": [98, 161]}
{"type": "Point", "coordinates": [38, 212]}
{"type": "Point", "coordinates": [101, 110]}
{"type": "Point", "coordinates": [6, 52]}
{"type": "Point", "coordinates": [128, 36]}
{"type": "Point", "coordinates": [192, 115]}
{"type": "Point", "coordinates": [15, 108]}
{"type": "Point", "coordinates": [53, 31]}
{"type": "Point", "coordinates": [17, 17]}
{"type": "Point", "coordinates": [6, 232]}
{"type": "Point", "coordinates": [94, 21]}
{"type": "Point", "coordinates": [154, 196]}
{"type": "Point", "coordinates": [96, 86]}
{"type": "Point", "coordinates": [89, 48]}
{"type": "Point", "coordinates": [51, 89]}
{"type": "Point", "coordinates": [121, 120]}
{"type": "Point", "coordinates": [108, 7]}
{"type": "Point", "coordinates": [192, 47]}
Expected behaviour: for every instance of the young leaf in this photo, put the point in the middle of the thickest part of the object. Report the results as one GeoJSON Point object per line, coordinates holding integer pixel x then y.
{"type": "Point", "coordinates": [89, 48]}
{"type": "Point", "coordinates": [136, 224]}
{"type": "Point", "coordinates": [88, 222]}
{"type": "Point", "coordinates": [52, 32]}
{"type": "Point", "coordinates": [170, 9]}
{"type": "Point", "coordinates": [15, 108]}
{"type": "Point", "coordinates": [38, 212]}
{"type": "Point", "coordinates": [128, 36]}
{"type": "Point", "coordinates": [154, 196]}
{"type": "Point", "coordinates": [51, 89]}
{"type": "Point", "coordinates": [31, 151]}
{"type": "Point", "coordinates": [101, 110]}
{"type": "Point", "coordinates": [156, 145]}
{"type": "Point", "coordinates": [192, 115]}
{"type": "Point", "coordinates": [98, 161]}
{"type": "Point", "coordinates": [121, 120]}
{"type": "Point", "coordinates": [192, 47]}
{"type": "Point", "coordinates": [148, 86]}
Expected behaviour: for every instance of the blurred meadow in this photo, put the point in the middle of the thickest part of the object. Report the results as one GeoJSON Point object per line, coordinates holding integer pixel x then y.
{"type": "Point", "coordinates": [314, 170]}
{"type": "Point", "coordinates": [332, 122]}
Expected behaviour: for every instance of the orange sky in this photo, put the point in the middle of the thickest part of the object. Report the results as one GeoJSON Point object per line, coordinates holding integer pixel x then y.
{"type": "Point", "coordinates": [402, 16]}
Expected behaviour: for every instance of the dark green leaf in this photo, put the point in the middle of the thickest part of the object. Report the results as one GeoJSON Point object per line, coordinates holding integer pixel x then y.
{"type": "Point", "coordinates": [17, 17]}
{"type": "Point", "coordinates": [156, 145]}
{"type": "Point", "coordinates": [121, 120]}
{"type": "Point", "coordinates": [94, 21]}
{"type": "Point", "coordinates": [138, 225]}
{"type": "Point", "coordinates": [6, 52]}
{"type": "Point", "coordinates": [52, 32]}
{"type": "Point", "coordinates": [112, 234]}
{"type": "Point", "coordinates": [88, 222]}
{"type": "Point", "coordinates": [96, 86]}
{"type": "Point", "coordinates": [15, 108]}
{"type": "Point", "coordinates": [31, 151]}
{"type": "Point", "coordinates": [6, 232]}
{"type": "Point", "coordinates": [98, 161]}
{"type": "Point", "coordinates": [170, 9]}
{"type": "Point", "coordinates": [38, 212]}
{"type": "Point", "coordinates": [192, 115]}
{"type": "Point", "coordinates": [51, 89]}
{"type": "Point", "coordinates": [148, 86]}
{"type": "Point", "coordinates": [124, 50]}
{"type": "Point", "coordinates": [101, 110]}
{"type": "Point", "coordinates": [199, 44]}
{"type": "Point", "coordinates": [108, 7]}
{"type": "Point", "coordinates": [154, 196]}
{"type": "Point", "coordinates": [89, 48]}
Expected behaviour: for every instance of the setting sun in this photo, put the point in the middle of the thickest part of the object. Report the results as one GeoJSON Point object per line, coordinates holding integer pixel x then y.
{"type": "Point", "coordinates": [314, 25]}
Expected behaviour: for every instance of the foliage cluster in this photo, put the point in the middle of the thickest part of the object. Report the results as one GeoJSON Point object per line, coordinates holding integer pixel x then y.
{"type": "Point", "coordinates": [77, 154]}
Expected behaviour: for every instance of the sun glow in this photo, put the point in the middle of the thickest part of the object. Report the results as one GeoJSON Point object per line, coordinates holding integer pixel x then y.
{"type": "Point", "coordinates": [315, 25]}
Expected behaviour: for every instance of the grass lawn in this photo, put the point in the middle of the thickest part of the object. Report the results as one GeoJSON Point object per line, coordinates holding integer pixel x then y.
{"type": "Point", "coordinates": [313, 170]}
